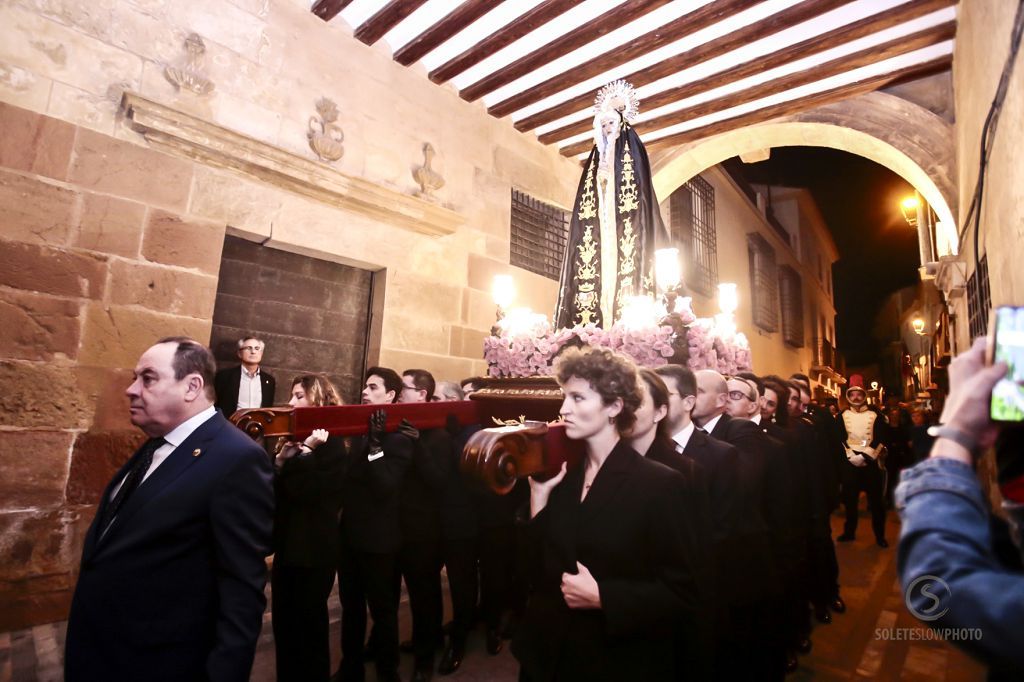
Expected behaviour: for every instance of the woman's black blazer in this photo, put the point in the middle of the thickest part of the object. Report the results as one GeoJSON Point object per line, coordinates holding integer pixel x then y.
{"type": "Point", "coordinates": [629, 533]}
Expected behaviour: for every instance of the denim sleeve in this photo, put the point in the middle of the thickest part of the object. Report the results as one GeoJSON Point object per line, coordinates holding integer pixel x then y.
{"type": "Point", "coordinates": [949, 574]}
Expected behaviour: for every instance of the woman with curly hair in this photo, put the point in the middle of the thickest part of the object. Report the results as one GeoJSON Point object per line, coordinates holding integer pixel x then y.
{"type": "Point", "coordinates": [612, 573]}
{"type": "Point", "coordinates": [307, 490]}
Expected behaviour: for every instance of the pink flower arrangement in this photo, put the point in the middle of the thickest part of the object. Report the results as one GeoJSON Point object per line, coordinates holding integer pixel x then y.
{"type": "Point", "coordinates": [527, 346]}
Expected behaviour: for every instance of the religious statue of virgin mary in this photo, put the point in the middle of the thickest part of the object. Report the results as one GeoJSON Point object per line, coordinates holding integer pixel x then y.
{"type": "Point", "coordinates": [616, 225]}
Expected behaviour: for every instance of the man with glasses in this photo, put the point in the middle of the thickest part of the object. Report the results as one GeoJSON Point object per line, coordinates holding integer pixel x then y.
{"type": "Point", "coordinates": [751, 603]}
{"type": "Point", "coordinates": [245, 386]}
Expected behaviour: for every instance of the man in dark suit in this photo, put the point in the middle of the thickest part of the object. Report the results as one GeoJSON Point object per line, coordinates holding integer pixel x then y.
{"type": "Point", "coordinates": [172, 575]}
{"type": "Point", "coordinates": [245, 386]}
{"type": "Point", "coordinates": [748, 600]}
{"type": "Point", "coordinates": [371, 537]}
{"type": "Point", "coordinates": [420, 560]}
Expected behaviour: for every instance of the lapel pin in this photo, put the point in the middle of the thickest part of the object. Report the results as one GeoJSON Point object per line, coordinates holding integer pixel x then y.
{"type": "Point", "coordinates": [197, 452]}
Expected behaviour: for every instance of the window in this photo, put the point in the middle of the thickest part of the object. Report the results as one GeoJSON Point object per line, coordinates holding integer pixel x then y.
{"type": "Point", "coordinates": [539, 233]}
{"type": "Point", "coordinates": [763, 282]}
{"type": "Point", "coordinates": [978, 300]}
{"type": "Point", "coordinates": [792, 299]}
{"type": "Point", "coordinates": [692, 225]}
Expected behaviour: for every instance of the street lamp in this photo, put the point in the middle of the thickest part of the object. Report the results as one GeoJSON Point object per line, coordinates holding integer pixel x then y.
{"type": "Point", "coordinates": [910, 206]}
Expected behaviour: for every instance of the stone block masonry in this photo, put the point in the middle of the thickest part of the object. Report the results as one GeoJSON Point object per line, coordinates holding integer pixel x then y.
{"type": "Point", "coordinates": [98, 257]}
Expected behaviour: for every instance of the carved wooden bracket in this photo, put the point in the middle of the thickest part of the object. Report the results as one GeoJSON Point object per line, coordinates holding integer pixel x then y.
{"type": "Point", "coordinates": [181, 134]}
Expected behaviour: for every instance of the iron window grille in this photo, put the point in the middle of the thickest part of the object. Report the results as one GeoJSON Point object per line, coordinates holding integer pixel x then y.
{"type": "Point", "coordinates": [764, 276]}
{"type": "Point", "coordinates": [539, 234]}
{"type": "Point", "coordinates": [978, 300]}
{"type": "Point", "coordinates": [692, 219]}
{"type": "Point", "coordinates": [792, 300]}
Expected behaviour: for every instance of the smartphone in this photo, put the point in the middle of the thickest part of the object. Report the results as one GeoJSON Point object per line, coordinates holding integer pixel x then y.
{"type": "Point", "coordinates": [1007, 339]}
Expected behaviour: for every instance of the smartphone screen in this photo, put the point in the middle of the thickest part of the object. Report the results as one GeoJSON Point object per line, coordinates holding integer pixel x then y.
{"type": "Point", "coordinates": [1008, 347]}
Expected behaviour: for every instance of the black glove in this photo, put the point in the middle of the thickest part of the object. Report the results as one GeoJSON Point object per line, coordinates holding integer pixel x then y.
{"type": "Point", "coordinates": [408, 430]}
{"type": "Point", "coordinates": [376, 432]}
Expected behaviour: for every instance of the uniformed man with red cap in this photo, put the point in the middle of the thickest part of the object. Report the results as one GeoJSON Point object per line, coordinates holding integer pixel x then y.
{"type": "Point", "coordinates": [863, 428]}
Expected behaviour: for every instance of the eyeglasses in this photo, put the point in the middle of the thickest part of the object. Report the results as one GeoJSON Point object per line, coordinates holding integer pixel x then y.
{"type": "Point", "coordinates": [739, 395]}
{"type": "Point", "coordinates": [254, 349]}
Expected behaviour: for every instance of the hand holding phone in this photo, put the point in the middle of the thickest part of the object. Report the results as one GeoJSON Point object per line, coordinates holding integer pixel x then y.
{"type": "Point", "coordinates": [1007, 346]}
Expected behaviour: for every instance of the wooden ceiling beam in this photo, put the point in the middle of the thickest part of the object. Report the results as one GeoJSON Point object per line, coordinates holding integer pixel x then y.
{"type": "Point", "coordinates": [328, 9]}
{"type": "Point", "coordinates": [389, 16]}
{"type": "Point", "coordinates": [592, 30]}
{"type": "Point", "coordinates": [464, 15]}
{"type": "Point", "coordinates": [777, 22]}
{"type": "Point", "coordinates": [802, 104]}
{"type": "Point", "coordinates": [834, 67]}
{"type": "Point", "coordinates": [846, 34]}
{"type": "Point", "coordinates": [525, 24]}
{"type": "Point", "coordinates": [667, 34]}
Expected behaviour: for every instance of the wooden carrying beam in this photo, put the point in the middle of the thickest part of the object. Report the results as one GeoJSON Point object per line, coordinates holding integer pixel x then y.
{"type": "Point", "coordinates": [516, 440]}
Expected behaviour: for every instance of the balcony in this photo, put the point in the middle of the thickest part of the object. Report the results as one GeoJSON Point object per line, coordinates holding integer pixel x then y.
{"type": "Point", "coordinates": [828, 362]}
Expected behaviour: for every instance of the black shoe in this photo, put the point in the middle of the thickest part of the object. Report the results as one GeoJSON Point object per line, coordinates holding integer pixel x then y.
{"type": "Point", "coordinates": [822, 614]}
{"type": "Point", "coordinates": [493, 642]}
{"type": "Point", "coordinates": [423, 674]}
{"type": "Point", "coordinates": [451, 659]}
{"type": "Point", "coordinates": [804, 645]}
{"type": "Point", "coordinates": [881, 543]}
{"type": "Point", "coordinates": [838, 605]}
{"type": "Point", "coordinates": [791, 662]}
{"type": "Point", "coordinates": [846, 537]}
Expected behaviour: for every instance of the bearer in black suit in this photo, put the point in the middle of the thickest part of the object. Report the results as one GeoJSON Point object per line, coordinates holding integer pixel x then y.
{"type": "Point", "coordinates": [172, 576]}
{"type": "Point", "coordinates": [371, 536]}
{"type": "Point", "coordinates": [613, 573]}
{"type": "Point", "coordinates": [245, 386]}
{"type": "Point", "coordinates": [419, 559]}
{"type": "Point", "coordinates": [748, 600]}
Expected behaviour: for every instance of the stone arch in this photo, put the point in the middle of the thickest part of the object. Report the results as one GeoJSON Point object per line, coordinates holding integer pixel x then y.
{"type": "Point", "coordinates": [906, 138]}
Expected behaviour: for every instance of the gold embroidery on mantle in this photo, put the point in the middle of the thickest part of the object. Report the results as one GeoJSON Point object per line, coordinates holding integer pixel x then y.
{"type": "Point", "coordinates": [588, 206]}
{"type": "Point", "coordinates": [586, 272]}
{"type": "Point", "coordinates": [627, 191]}
{"type": "Point", "coordinates": [627, 251]}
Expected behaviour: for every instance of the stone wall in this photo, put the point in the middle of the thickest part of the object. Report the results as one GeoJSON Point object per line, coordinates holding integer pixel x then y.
{"type": "Point", "coordinates": [982, 46]}
{"type": "Point", "coordinates": [108, 244]}
{"type": "Point", "coordinates": [96, 261]}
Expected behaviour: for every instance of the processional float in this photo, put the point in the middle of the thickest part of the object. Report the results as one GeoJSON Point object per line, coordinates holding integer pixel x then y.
{"type": "Point", "coordinates": [613, 271]}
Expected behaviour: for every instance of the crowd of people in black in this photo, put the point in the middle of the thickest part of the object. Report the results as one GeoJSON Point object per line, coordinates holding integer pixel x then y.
{"type": "Point", "coordinates": [697, 527]}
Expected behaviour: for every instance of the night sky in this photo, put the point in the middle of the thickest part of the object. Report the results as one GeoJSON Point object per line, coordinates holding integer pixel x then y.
{"type": "Point", "coordinates": [878, 255]}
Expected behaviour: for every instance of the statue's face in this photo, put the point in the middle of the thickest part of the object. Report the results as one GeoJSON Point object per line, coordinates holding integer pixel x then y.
{"type": "Point", "coordinates": [609, 125]}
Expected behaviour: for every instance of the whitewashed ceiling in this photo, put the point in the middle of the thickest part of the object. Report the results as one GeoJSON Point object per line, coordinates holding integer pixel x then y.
{"type": "Point", "coordinates": [701, 67]}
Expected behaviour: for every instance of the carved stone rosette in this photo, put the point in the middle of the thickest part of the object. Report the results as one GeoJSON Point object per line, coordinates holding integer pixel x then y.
{"type": "Point", "coordinates": [189, 74]}
{"type": "Point", "coordinates": [325, 136]}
